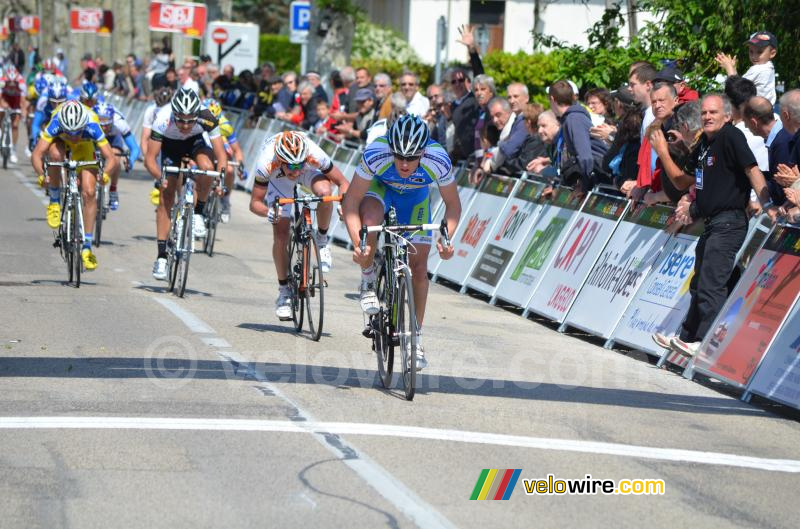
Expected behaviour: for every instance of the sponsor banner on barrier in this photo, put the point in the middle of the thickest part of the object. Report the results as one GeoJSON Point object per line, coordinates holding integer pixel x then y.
{"type": "Point", "coordinates": [754, 311]}
{"type": "Point", "coordinates": [466, 193]}
{"type": "Point", "coordinates": [778, 376]}
{"type": "Point", "coordinates": [623, 264]}
{"type": "Point", "coordinates": [475, 227]}
{"type": "Point", "coordinates": [515, 222]}
{"type": "Point", "coordinates": [577, 254]}
{"type": "Point", "coordinates": [661, 303]}
{"type": "Point", "coordinates": [530, 261]}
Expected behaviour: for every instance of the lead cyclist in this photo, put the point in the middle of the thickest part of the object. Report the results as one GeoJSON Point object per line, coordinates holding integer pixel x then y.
{"type": "Point", "coordinates": [397, 170]}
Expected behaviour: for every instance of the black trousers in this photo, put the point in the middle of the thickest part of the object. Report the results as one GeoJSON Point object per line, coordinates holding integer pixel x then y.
{"type": "Point", "coordinates": [715, 259]}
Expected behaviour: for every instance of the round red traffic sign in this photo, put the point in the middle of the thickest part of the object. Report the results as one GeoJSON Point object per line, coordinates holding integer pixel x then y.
{"type": "Point", "coordinates": [219, 35]}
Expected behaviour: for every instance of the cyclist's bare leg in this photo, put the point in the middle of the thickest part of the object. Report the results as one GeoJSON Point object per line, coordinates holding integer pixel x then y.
{"type": "Point", "coordinates": [418, 261]}
{"type": "Point", "coordinates": [115, 174]}
{"type": "Point", "coordinates": [88, 179]}
{"type": "Point", "coordinates": [371, 211]}
{"type": "Point", "coordinates": [164, 206]}
{"type": "Point", "coordinates": [321, 187]}
{"type": "Point", "coordinates": [15, 129]}
{"type": "Point", "coordinates": [56, 153]}
{"type": "Point", "coordinates": [204, 163]}
{"type": "Point", "coordinates": [229, 174]}
{"type": "Point", "coordinates": [280, 247]}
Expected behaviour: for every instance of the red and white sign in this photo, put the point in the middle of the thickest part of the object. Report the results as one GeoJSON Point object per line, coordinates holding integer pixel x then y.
{"type": "Point", "coordinates": [85, 19]}
{"type": "Point", "coordinates": [29, 24]}
{"type": "Point", "coordinates": [220, 35]}
{"type": "Point", "coordinates": [178, 17]}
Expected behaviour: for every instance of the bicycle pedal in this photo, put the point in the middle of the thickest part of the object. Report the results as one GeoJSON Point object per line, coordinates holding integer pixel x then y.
{"type": "Point", "coordinates": [57, 243]}
{"type": "Point", "coordinates": [368, 332]}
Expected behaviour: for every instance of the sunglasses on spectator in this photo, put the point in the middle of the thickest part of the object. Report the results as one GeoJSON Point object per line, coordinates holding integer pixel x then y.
{"type": "Point", "coordinates": [408, 84]}
{"type": "Point", "coordinates": [458, 80]}
{"type": "Point", "coordinates": [295, 166]}
{"type": "Point", "coordinates": [408, 158]}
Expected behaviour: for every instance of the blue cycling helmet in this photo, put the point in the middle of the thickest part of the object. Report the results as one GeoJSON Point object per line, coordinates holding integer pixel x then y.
{"type": "Point", "coordinates": [57, 92]}
{"type": "Point", "coordinates": [105, 112]}
{"type": "Point", "coordinates": [40, 86]}
{"type": "Point", "coordinates": [88, 91]}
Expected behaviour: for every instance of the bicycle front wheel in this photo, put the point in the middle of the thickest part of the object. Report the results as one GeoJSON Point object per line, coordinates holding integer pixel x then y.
{"type": "Point", "coordinates": [65, 241]}
{"type": "Point", "coordinates": [295, 277]}
{"type": "Point", "coordinates": [382, 329]}
{"type": "Point", "coordinates": [77, 243]}
{"type": "Point", "coordinates": [407, 331]}
{"type": "Point", "coordinates": [98, 223]}
{"type": "Point", "coordinates": [315, 288]}
{"type": "Point", "coordinates": [212, 219]}
{"type": "Point", "coordinates": [175, 230]}
{"type": "Point", "coordinates": [184, 251]}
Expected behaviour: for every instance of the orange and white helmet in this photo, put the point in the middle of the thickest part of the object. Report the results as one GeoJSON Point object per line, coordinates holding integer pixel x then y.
{"type": "Point", "coordinates": [291, 147]}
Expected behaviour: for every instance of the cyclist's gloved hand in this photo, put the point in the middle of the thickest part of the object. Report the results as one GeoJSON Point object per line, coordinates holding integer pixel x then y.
{"type": "Point", "coordinates": [445, 252]}
{"type": "Point", "coordinates": [240, 170]}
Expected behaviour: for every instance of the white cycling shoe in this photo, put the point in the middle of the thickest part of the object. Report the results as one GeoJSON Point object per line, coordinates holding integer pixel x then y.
{"type": "Point", "coordinates": [160, 269]}
{"type": "Point", "coordinates": [199, 226]}
{"type": "Point", "coordinates": [369, 299]}
{"type": "Point", "coordinates": [283, 305]}
{"type": "Point", "coordinates": [325, 259]}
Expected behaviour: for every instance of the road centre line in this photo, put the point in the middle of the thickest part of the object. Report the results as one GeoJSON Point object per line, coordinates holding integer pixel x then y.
{"type": "Point", "coordinates": [393, 490]}
{"type": "Point", "coordinates": [409, 432]}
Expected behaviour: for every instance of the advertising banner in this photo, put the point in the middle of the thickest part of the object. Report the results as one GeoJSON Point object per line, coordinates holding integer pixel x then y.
{"type": "Point", "coordinates": [178, 17]}
{"type": "Point", "coordinates": [577, 254]}
{"type": "Point", "coordinates": [475, 227]}
{"type": "Point", "coordinates": [661, 303]}
{"type": "Point", "coordinates": [85, 19]}
{"type": "Point", "coordinates": [754, 311]}
{"type": "Point", "coordinates": [623, 264]}
{"type": "Point", "coordinates": [539, 244]}
{"type": "Point", "coordinates": [516, 220]}
{"type": "Point", "coordinates": [778, 376]}
{"type": "Point", "coordinates": [466, 192]}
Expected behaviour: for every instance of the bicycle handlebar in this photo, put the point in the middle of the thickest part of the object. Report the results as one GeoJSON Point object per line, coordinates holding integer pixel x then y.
{"type": "Point", "coordinates": [406, 227]}
{"type": "Point", "coordinates": [171, 169]}
{"type": "Point", "coordinates": [309, 199]}
{"type": "Point", "coordinates": [70, 164]}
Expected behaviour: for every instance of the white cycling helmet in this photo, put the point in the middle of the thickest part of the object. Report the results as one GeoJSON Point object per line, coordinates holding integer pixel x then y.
{"type": "Point", "coordinates": [291, 147]}
{"type": "Point", "coordinates": [408, 136]}
{"type": "Point", "coordinates": [186, 102]}
{"type": "Point", "coordinates": [73, 116]}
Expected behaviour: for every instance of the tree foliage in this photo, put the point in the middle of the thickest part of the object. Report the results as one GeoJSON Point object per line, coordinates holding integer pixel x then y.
{"type": "Point", "coordinates": [278, 50]}
{"type": "Point", "coordinates": [272, 16]}
{"type": "Point", "coordinates": [372, 41]}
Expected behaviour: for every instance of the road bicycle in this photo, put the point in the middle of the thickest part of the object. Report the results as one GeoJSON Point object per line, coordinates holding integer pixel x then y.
{"type": "Point", "coordinates": [395, 324]}
{"type": "Point", "coordinates": [6, 136]}
{"type": "Point", "coordinates": [180, 243]}
{"type": "Point", "coordinates": [69, 238]}
{"type": "Point", "coordinates": [306, 281]}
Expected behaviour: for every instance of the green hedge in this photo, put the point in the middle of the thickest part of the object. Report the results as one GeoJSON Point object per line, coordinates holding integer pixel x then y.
{"type": "Point", "coordinates": [278, 49]}
{"type": "Point", "coordinates": [536, 70]}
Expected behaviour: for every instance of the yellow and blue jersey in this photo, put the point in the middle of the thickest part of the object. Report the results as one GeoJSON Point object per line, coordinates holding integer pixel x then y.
{"type": "Point", "coordinates": [81, 145]}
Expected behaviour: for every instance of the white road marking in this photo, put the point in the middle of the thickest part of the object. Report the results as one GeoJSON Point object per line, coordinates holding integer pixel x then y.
{"type": "Point", "coordinates": [393, 490]}
{"type": "Point", "coordinates": [37, 191]}
{"type": "Point", "coordinates": [409, 432]}
{"type": "Point", "coordinates": [216, 341]}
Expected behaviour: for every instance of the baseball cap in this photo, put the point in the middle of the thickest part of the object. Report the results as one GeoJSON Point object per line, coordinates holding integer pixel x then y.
{"type": "Point", "coordinates": [275, 79]}
{"type": "Point", "coordinates": [763, 38]}
{"type": "Point", "coordinates": [669, 74]}
{"type": "Point", "coordinates": [363, 94]}
{"type": "Point", "coordinates": [623, 94]}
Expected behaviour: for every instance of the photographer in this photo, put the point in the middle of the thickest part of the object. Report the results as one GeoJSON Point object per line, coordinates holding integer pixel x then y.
{"type": "Point", "coordinates": [436, 120]}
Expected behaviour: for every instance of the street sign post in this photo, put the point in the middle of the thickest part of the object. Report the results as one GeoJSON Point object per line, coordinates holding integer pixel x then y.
{"type": "Point", "coordinates": [233, 43]}
{"type": "Point", "coordinates": [299, 24]}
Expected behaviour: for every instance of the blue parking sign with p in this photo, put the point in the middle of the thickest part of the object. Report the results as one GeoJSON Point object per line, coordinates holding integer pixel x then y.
{"type": "Point", "coordinates": [301, 16]}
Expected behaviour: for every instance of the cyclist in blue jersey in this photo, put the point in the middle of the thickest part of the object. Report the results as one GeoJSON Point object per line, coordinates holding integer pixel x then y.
{"type": "Point", "coordinates": [397, 170]}
{"type": "Point", "coordinates": [55, 94]}
{"type": "Point", "coordinates": [119, 135]}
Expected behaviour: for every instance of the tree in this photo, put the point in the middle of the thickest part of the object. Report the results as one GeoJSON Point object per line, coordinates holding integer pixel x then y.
{"type": "Point", "coordinates": [271, 15]}
{"type": "Point", "coordinates": [330, 37]}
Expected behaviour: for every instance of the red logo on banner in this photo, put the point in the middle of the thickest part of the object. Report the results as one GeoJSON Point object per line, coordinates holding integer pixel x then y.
{"type": "Point", "coordinates": [85, 19]}
{"type": "Point", "coordinates": [29, 24]}
{"type": "Point", "coordinates": [178, 17]}
{"type": "Point", "coordinates": [219, 35]}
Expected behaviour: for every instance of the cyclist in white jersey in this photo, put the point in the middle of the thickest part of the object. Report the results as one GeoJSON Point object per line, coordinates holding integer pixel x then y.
{"type": "Point", "coordinates": [161, 98]}
{"type": "Point", "coordinates": [287, 159]}
{"type": "Point", "coordinates": [397, 171]}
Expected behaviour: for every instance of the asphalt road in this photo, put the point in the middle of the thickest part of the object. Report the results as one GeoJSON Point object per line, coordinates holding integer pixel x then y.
{"type": "Point", "coordinates": [124, 406]}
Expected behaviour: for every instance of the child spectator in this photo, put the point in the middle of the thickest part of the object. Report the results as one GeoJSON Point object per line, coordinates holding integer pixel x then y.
{"type": "Point", "coordinates": [763, 46]}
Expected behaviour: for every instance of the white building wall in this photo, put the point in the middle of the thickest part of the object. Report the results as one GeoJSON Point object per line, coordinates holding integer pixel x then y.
{"type": "Point", "coordinates": [517, 34]}
{"type": "Point", "coordinates": [423, 17]}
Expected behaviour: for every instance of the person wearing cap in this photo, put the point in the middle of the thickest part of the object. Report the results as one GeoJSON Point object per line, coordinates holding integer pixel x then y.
{"type": "Point", "coordinates": [670, 74]}
{"type": "Point", "coordinates": [366, 116]}
{"type": "Point", "coordinates": [620, 161]}
{"type": "Point", "coordinates": [762, 48]}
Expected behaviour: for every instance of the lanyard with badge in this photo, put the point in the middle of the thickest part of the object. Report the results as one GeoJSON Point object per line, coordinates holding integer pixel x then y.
{"type": "Point", "coordinates": [698, 172]}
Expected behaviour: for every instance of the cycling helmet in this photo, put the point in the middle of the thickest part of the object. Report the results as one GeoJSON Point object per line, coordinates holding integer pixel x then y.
{"type": "Point", "coordinates": [73, 116]}
{"type": "Point", "coordinates": [186, 102]}
{"type": "Point", "coordinates": [57, 92]}
{"type": "Point", "coordinates": [213, 105]}
{"type": "Point", "coordinates": [47, 64]}
{"type": "Point", "coordinates": [105, 113]}
{"type": "Point", "coordinates": [162, 96]}
{"type": "Point", "coordinates": [40, 85]}
{"type": "Point", "coordinates": [88, 91]}
{"type": "Point", "coordinates": [408, 136]}
{"type": "Point", "coordinates": [291, 147]}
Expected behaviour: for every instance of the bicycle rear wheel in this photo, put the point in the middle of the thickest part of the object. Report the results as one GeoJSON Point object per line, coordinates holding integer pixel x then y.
{"type": "Point", "coordinates": [65, 241]}
{"type": "Point", "coordinates": [407, 332]}
{"type": "Point", "coordinates": [184, 252]}
{"type": "Point", "coordinates": [382, 329]}
{"type": "Point", "coordinates": [175, 229]}
{"type": "Point", "coordinates": [315, 289]}
{"type": "Point", "coordinates": [295, 278]}
{"type": "Point", "coordinates": [77, 244]}
{"type": "Point", "coordinates": [212, 219]}
{"type": "Point", "coordinates": [98, 223]}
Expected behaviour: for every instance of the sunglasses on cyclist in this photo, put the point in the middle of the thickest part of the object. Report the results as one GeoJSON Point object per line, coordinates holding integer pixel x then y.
{"type": "Point", "coordinates": [295, 166]}
{"type": "Point", "coordinates": [185, 121]}
{"type": "Point", "coordinates": [408, 158]}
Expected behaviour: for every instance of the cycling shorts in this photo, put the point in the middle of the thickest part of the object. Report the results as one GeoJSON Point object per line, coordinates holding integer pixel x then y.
{"type": "Point", "coordinates": [284, 188]}
{"type": "Point", "coordinates": [14, 102]}
{"type": "Point", "coordinates": [172, 151]}
{"type": "Point", "coordinates": [411, 207]}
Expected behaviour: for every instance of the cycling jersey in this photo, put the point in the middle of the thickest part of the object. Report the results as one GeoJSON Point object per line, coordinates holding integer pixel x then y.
{"type": "Point", "coordinates": [150, 115]}
{"type": "Point", "coordinates": [11, 89]}
{"type": "Point", "coordinates": [82, 145]}
{"type": "Point", "coordinates": [269, 173]}
{"type": "Point", "coordinates": [164, 127]}
{"type": "Point", "coordinates": [409, 196]}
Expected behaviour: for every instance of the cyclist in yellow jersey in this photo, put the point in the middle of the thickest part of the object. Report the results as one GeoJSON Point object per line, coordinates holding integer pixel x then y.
{"type": "Point", "coordinates": [74, 128]}
{"type": "Point", "coordinates": [234, 151]}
